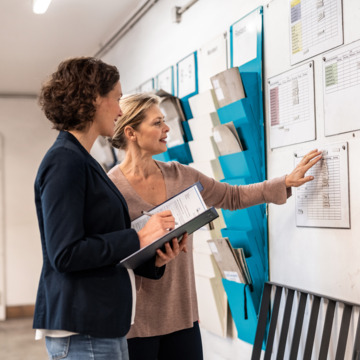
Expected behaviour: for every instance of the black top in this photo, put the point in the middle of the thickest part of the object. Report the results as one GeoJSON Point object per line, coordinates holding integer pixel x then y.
{"type": "Point", "coordinates": [85, 232]}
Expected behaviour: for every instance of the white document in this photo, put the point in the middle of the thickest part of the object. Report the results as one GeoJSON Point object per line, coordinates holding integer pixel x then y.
{"type": "Point", "coordinates": [315, 26]}
{"type": "Point", "coordinates": [147, 86]}
{"type": "Point", "coordinates": [184, 207]}
{"type": "Point", "coordinates": [291, 103]}
{"type": "Point", "coordinates": [212, 59]}
{"type": "Point", "coordinates": [175, 135]}
{"type": "Point", "coordinates": [227, 139]}
{"type": "Point", "coordinates": [324, 202]}
{"type": "Point", "coordinates": [187, 76]}
{"type": "Point", "coordinates": [244, 38]}
{"type": "Point", "coordinates": [341, 84]}
{"type": "Point", "coordinates": [165, 80]}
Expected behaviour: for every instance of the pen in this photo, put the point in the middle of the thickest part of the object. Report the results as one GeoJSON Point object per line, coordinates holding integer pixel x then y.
{"type": "Point", "coordinates": [150, 214]}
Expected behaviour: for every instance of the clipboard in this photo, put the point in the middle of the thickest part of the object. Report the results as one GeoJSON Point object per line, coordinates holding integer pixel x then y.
{"type": "Point", "coordinates": [146, 253]}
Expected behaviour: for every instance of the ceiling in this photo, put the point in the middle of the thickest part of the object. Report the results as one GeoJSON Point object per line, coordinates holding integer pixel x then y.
{"type": "Point", "coordinates": [33, 45]}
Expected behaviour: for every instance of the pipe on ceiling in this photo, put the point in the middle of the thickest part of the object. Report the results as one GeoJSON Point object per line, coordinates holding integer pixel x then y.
{"type": "Point", "coordinates": [128, 24]}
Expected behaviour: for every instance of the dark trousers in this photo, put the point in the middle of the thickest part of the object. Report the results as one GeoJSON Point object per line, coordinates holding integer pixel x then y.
{"type": "Point", "coordinates": [180, 345]}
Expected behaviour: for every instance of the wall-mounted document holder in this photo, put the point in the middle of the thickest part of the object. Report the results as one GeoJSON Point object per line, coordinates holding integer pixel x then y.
{"type": "Point", "coordinates": [247, 228]}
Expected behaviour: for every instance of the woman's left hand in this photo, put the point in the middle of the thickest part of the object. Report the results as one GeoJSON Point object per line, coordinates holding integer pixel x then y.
{"type": "Point", "coordinates": [171, 251]}
{"type": "Point", "coordinates": [297, 176]}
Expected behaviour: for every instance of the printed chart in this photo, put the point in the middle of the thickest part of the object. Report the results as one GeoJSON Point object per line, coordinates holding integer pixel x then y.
{"type": "Point", "coordinates": [315, 27]}
{"type": "Point", "coordinates": [187, 76]}
{"type": "Point", "coordinates": [165, 80]}
{"type": "Point", "coordinates": [341, 74]}
{"type": "Point", "coordinates": [324, 202]}
{"type": "Point", "coordinates": [291, 106]}
{"type": "Point", "coordinates": [147, 86]}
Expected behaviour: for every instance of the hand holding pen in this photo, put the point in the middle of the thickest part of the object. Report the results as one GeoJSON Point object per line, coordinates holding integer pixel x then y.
{"type": "Point", "coordinates": [147, 213]}
{"type": "Point", "coordinates": [158, 225]}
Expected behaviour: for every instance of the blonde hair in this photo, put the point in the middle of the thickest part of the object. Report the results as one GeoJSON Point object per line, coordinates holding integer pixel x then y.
{"type": "Point", "coordinates": [134, 108]}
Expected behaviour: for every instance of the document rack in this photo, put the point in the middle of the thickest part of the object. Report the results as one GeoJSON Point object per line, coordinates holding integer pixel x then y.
{"type": "Point", "coordinates": [247, 228]}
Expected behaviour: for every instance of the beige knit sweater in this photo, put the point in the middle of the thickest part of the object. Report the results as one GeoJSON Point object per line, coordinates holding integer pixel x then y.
{"type": "Point", "coordinates": [169, 304]}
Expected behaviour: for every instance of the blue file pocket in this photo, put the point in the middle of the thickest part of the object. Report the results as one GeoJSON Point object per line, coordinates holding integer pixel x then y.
{"type": "Point", "coordinates": [187, 132]}
{"type": "Point", "coordinates": [180, 153]}
{"type": "Point", "coordinates": [243, 312]}
{"type": "Point", "coordinates": [258, 278]}
{"type": "Point", "coordinates": [162, 157]}
{"type": "Point", "coordinates": [252, 243]}
{"type": "Point", "coordinates": [240, 113]}
{"type": "Point", "coordinates": [244, 218]}
{"type": "Point", "coordinates": [249, 218]}
{"type": "Point", "coordinates": [241, 164]}
{"type": "Point", "coordinates": [244, 301]}
{"type": "Point", "coordinates": [251, 83]}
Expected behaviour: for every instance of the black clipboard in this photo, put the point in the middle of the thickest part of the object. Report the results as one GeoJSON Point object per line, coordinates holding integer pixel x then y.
{"type": "Point", "coordinates": [146, 253]}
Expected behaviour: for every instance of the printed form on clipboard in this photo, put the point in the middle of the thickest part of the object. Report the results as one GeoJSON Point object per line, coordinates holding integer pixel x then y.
{"type": "Point", "coordinates": [190, 213]}
{"type": "Point", "coordinates": [184, 206]}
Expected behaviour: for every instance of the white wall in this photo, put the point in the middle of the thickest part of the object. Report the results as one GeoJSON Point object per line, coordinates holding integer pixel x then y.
{"type": "Point", "coordinates": [156, 42]}
{"type": "Point", "coordinates": [26, 136]}
{"type": "Point", "coordinates": [324, 261]}
{"type": "Point", "coordinates": [320, 260]}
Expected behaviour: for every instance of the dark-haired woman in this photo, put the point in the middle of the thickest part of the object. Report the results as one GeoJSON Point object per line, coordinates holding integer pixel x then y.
{"type": "Point", "coordinates": [85, 299]}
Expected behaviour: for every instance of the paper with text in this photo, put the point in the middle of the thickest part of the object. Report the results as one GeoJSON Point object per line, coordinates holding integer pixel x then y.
{"type": "Point", "coordinates": [184, 207]}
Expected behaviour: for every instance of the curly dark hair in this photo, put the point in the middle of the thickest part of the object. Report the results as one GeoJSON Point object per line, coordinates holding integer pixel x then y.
{"type": "Point", "coordinates": [68, 97]}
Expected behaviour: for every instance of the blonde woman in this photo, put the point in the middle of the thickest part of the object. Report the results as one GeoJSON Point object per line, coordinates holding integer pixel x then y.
{"type": "Point", "coordinates": [166, 321]}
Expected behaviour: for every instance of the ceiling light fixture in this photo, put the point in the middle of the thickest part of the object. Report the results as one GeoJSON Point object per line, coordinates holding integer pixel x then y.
{"type": "Point", "coordinates": [40, 6]}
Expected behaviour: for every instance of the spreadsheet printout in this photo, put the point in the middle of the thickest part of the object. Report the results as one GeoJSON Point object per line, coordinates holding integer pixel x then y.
{"type": "Point", "coordinates": [341, 84]}
{"type": "Point", "coordinates": [315, 27]}
{"type": "Point", "coordinates": [292, 106]}
{"type": "Point", "coordinates": [324, 202]}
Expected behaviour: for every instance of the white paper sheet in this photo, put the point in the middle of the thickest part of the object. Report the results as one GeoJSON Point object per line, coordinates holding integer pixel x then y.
{"type": "Point", "coordinates": [324, 202]}
{"type": "Point", "coordinates": [184, 207]}
{"type": "Point", "coordinates": [292, 106]}
{"type": "Point", "coordinates": [315, 26]}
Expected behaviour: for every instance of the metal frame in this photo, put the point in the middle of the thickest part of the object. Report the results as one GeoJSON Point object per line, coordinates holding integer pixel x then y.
{"type": "Point", "coordinates": [264, 338]}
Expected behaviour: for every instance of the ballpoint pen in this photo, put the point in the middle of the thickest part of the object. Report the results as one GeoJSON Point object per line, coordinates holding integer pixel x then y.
{"type": "Point", "coordinates": [147, 213]}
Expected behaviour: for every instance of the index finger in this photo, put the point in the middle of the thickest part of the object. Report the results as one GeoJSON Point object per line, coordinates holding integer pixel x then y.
{"type": "Point", "coordinates": [312, 163]}
{"type": "Point", "coordinates": [311, 155]}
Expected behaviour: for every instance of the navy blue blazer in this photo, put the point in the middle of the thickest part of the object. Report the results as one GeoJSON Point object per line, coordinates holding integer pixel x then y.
{"type": "Point", "coordinates": [85, 232]}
